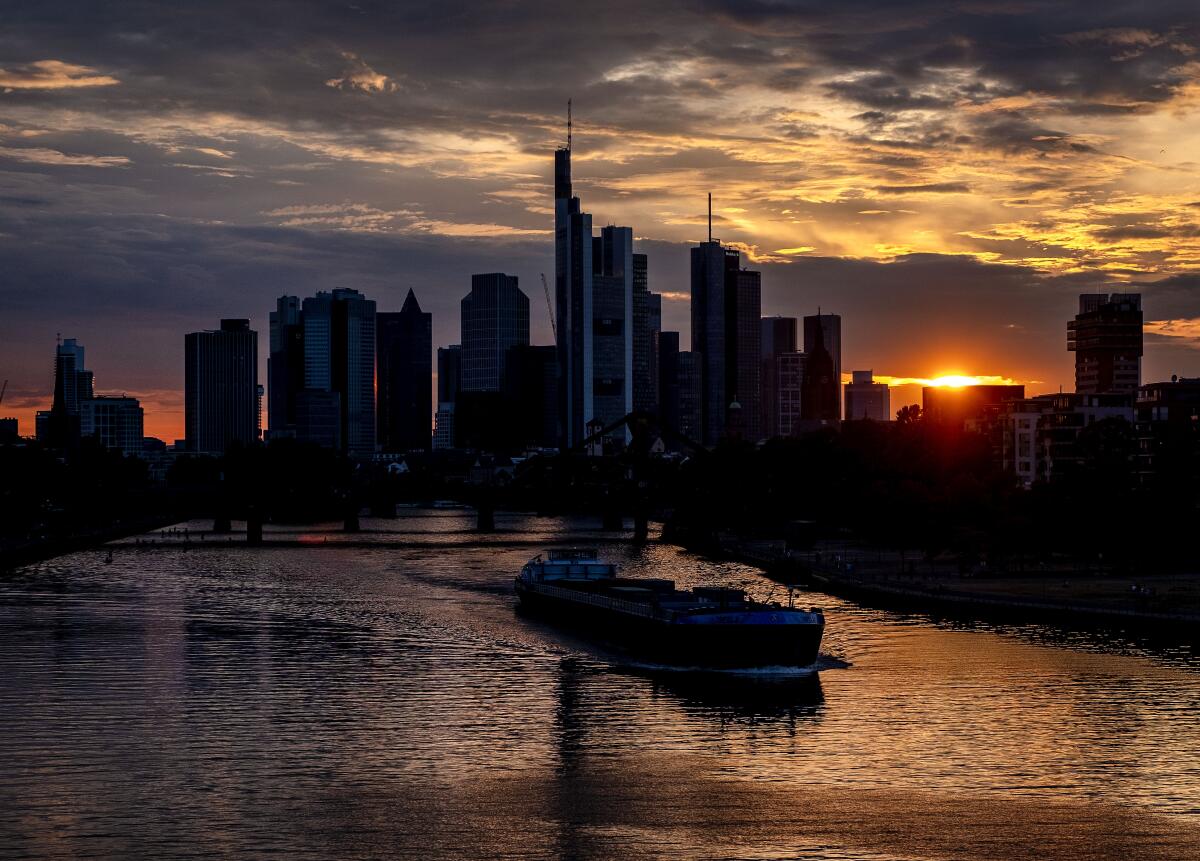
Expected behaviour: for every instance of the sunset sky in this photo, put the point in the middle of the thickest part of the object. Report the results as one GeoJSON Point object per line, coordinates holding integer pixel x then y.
{"type": "Point", "coordinates": [946, 176]}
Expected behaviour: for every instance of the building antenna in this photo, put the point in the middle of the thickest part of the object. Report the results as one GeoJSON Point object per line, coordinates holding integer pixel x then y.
{"type": "Point", "coordinates": [568, 125]}
{"type": "Point", "coordinates": [710, 216]}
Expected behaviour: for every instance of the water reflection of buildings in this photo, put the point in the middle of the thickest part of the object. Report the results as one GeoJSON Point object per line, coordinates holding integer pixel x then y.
{"type": "Point", "coordinates": [610, 780]}
{"type": "Point", "coordinates": [727, 697]}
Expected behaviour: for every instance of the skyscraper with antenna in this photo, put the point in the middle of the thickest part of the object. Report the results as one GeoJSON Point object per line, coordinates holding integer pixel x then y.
{"type": "Point", "coordinates": [726, 308]}
{"type": "Point", "coordinates": [594, 299]}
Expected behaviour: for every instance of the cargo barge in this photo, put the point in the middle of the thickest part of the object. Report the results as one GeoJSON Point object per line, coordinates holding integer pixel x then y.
{"type": "Point", "coordinates": [710, 627]}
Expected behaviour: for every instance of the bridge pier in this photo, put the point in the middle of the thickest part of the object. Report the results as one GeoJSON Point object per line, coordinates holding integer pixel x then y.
{"type": "Point", "coordinates": [254, 528]}
{"type": "Point", "coordinates": [641, 527]}
{"type": "Point", "coordinates": [485, 517]}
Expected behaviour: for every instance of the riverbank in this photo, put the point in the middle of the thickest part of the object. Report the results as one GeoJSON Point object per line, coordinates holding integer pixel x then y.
{"type": "Point", "coordinates": [1062, 595]}
{"type": "Point", "coordinates": [15, 554]}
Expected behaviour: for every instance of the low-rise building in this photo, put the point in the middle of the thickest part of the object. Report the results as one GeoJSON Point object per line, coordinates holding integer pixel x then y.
{"type": "Point", "coordinates": [1039, 435]}
{"type": "Point", "coordinates": [958, 405]}
{"type": "Point", "coordinates": [867, 399]}
{"type": "Point", "coordinates": [1166, 424]}
{"type": "Point", "coordinates": [117, 422]}
{"type": "Point", "coordinates": [789, 391]}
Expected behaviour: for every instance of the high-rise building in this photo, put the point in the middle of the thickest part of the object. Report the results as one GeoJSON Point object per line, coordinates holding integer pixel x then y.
{"type": "Point", "coordinates": [713, 268]}
{"type": "Point", "coordinates": [59, 427]}
{"type": "Point", "coordinates": [647, 323]}
{"type": "Point", "coordinates": [789, 392]}
{"type": "Point", "coordinates": [531, 395]}
{"type": "Point", "coordinates": [9, 430]}
{"type": "Point", "coordinates": [612, 344]}
{"type": "Point", "coordinates": [495, 318]}
{"type": "Point", "coordinates": [825, 382]}
{"type": "Point", "coordinates": [221, 393]}
{"type": "Point", "coordinates": [747, 353]}
{"type": "Point", "coordinates": [78, 382]}
{"type": "Point", "coordinates": [285, 367]}
{"type": "Point", "coordinates": [594, 293]}
{"type": "Point", "coordinates": [691, 396]}
{"type": "Point", "coordinates": [867, 399]}
{"type": "Point", "coordinates": [339, 370]}
{"type": "Point", "coordinates": [116, 422]}
{"type": "Point", "coordinates": [404, 366]}
{"type": "Point", "coordinates": [319, 417]}
{"type": "Point", "coordinates": [777, 335]}
{"type": "Point", "coordinates": [667, 353]}
{"type": "Point", "coordinates": [449, 363]}
{"type": "Point", "coordinates": [726, 304]}
{"type": "Point", "coordinates": [1106, 337]}
{"type": "Point", "coordinates": [573, 300]}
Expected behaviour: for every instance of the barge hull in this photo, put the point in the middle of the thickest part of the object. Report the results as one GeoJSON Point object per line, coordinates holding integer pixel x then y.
{"type": "Point", "coordinates": [709, 645]}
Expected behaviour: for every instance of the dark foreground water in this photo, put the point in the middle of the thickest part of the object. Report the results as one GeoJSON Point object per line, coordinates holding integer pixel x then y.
{"type": "Point", "coordinates": [388, 702]}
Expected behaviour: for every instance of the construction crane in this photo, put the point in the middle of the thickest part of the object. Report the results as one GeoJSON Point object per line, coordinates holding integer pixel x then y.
{"type": "Point", "coordinates": [3, 389]}
{"type": "Point", "coordinates": [549, 307]}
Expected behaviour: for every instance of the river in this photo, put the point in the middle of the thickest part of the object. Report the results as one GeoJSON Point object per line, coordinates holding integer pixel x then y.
{"type": "Point", "coordinates": [385, 700]}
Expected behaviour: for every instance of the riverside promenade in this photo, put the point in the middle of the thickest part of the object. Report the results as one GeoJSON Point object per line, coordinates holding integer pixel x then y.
{"type": "Point", "coordinates": [1062, 593]}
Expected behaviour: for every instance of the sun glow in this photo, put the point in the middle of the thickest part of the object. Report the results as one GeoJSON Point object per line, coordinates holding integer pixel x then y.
{"type": "Point", "coordinates": [955, 381]}
{"type": "Point", "coordinates": [950, 381]}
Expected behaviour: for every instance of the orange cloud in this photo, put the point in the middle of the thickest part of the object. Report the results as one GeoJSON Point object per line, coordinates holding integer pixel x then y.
{"type": "Point", "coordinates": [52, 75]}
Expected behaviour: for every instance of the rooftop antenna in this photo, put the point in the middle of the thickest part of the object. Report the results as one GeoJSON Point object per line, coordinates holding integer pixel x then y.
{"type": "Point", "coordinates": [710, 216]}
{"type": "Point", "coordinates": [568, 125]}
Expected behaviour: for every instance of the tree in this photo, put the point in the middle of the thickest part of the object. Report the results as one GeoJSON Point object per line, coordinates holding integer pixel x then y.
{"type": "Point", "coordinates": [909, 415]}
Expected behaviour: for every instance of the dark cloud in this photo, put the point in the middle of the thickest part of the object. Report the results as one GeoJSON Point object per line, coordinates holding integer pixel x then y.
{"type": "Point", "coordinates": [1145, 231]}
{"type": "Point", "coordinates": [885, 92]}
{"type": "Point", "coordinates": [926, 188]}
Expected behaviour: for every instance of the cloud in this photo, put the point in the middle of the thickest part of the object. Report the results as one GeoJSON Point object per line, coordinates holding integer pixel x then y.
{"type": "Point", "coordinates": [925, 188]}
{"type": "Point", "coordinates": [40, 155]}
{"type": "Point", "coordinates": [52, 75]}
{"type": "Point", "coordinates": [359, 76]}
{"type": "Point", "coordinates": [1186, 329]}
{"type": "Point", "coordinates": [363, 217]}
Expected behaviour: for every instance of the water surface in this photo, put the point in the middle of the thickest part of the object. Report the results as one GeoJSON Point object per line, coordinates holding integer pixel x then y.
{"type": "Point", "coordinates": [383, 699]}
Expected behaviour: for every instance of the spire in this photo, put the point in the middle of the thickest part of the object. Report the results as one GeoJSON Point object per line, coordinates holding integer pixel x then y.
{"type": "Point", "coordinates": [411, 304]}
{"type": "Point", "coordinates": [710, 216]}
{"type": "Point", "coordinates": [568, 125]}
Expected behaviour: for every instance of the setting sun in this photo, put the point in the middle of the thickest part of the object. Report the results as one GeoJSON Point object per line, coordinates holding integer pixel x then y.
{"type": "Point", "coordinates": [958, 381]}
{"type": "Point", "coordinates": [954, 381]}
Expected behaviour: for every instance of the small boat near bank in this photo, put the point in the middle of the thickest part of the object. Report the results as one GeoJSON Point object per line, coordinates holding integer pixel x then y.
{"type": "Point", "coordinates": [712, 627]}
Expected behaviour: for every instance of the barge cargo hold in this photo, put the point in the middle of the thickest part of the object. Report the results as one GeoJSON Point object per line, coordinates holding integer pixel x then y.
{"type": "Point", "coordinates": [711, 627]}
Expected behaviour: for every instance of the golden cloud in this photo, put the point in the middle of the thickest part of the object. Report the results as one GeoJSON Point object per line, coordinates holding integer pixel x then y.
{"type": "Point", "coordinates": [1184, 328]}
{"type": "Point", "coordinates": [42, 155]}
{"type": "Point", "coordinates": [359, 76]}
{"type": "Point", "coordinates": [53, 75]}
